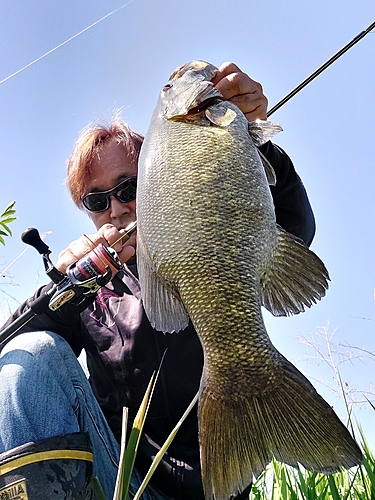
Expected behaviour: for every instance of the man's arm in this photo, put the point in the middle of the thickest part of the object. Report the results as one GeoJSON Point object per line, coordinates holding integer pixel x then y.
{"type": "Point", "coordinates": [292, 206]}
{"type": "Point", "coordinates": [66, 321]}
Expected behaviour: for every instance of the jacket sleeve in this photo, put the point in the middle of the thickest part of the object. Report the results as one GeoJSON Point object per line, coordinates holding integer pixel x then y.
{"type": "Point", "coordinates": [292, 206]}
{"type": "Point", "coordinates": [66, 321]}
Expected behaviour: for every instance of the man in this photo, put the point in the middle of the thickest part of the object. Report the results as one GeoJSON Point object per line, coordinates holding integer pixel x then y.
{"type": "Point", "coordinates": [43, 392]}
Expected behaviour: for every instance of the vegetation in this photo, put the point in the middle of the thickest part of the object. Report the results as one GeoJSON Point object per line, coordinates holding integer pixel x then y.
{"type": "Point", "coordinates": [5, 219]}
{"type": "Point", "coordinates": [281, 482]}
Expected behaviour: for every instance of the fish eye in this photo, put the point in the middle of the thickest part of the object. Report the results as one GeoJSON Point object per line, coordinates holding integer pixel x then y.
{"type": "Point", "coordinates": [167, 87]}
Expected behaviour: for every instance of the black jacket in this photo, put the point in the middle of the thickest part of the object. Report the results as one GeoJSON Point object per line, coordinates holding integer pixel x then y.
{"type": "Point", "coordinates": [123, 350]}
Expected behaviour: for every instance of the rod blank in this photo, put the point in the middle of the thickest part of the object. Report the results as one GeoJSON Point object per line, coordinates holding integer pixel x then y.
{"type": "Point", "coordinates": [321, 69]}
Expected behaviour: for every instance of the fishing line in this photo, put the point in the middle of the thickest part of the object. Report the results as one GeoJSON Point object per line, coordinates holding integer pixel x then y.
{"type": "Point", "coordinates": [321, 68]}
{"type": "Point", "coordinates": [66, 41]}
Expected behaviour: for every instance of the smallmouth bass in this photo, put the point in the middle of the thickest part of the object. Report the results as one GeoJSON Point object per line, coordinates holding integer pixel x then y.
{"type": "Point", "coordinates": [209, 248]}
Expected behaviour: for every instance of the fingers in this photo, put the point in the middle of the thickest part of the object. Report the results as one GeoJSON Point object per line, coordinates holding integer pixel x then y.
{"type": "Point", "coordinates": [78, 249]}
{"type": "Point", "coordinates": [237, 87]}
{"type": "Point", "coordinates": [113, 238]}
{"type": "Point", "coordinates": [126, 253]}
{"type": "Point", "coordinates": [107, 235]}
{"type": "Point", "coordinates": [220, 79]}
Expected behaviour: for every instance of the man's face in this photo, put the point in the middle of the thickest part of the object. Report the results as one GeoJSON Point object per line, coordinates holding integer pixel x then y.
{"type": "Point", "coordinates": [113, 166]}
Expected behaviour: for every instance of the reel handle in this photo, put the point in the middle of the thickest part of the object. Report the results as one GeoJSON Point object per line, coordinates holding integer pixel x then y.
{"type": "Point", "coordinates": [32, 237]}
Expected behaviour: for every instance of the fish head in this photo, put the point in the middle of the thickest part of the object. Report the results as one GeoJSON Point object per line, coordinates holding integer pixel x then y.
{"type": "Point", "coordinates": [188, 91]}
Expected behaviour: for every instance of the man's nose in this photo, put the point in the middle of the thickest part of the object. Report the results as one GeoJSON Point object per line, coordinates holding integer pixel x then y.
{"type": "Point", "coordinates": [117, 208]}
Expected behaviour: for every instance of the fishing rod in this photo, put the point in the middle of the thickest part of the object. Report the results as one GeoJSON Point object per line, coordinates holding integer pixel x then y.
{"type": "Point", "coordinates": [321, 69]}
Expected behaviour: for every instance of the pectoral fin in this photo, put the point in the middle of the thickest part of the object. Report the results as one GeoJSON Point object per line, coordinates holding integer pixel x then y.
{"type": "Point", "coordinates": [262, 131]}
{"type": "Point", "coordinates": [294, 279]}
{"type": "Point", "coordinates": [163, 308]}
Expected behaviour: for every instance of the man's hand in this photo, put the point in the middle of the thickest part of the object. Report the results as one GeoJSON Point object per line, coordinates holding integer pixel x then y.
{"type": "Point", "coordinates": [240, 89]}
{"type": "Point", "coordinates": [106, 235]}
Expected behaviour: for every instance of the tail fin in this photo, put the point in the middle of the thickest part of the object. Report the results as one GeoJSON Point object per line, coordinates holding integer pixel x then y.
{"type": "Point", "coordinates": [292, 422]}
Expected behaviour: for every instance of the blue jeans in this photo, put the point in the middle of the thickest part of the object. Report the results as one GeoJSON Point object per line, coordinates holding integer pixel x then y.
{"type": "Point", "coordinates": [44, 393]}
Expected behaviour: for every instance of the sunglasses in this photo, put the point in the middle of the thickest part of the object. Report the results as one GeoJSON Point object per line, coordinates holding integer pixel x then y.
{"type": "Point", "coordinates": [100, 201]}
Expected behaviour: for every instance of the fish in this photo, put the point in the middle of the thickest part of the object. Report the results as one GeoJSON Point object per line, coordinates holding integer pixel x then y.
{"type": "Point", "coordinates": [209, 249]}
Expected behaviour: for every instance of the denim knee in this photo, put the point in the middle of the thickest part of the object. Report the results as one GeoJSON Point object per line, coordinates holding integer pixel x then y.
{"type": "Point", "coordinates": [37, 399]}
{"type": "Point", "coordinates": [36, 343]}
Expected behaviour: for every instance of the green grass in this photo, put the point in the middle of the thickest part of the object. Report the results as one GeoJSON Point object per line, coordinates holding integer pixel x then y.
{"type": "Point", "coordinates": [281, 482]}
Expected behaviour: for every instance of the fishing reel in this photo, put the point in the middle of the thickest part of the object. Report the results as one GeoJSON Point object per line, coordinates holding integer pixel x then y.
{"type": "Point", "coordinates": [83, 278]}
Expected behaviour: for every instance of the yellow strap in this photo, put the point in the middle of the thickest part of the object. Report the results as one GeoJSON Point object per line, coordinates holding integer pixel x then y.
{"type": "Point", "coordinates": [45, 455]}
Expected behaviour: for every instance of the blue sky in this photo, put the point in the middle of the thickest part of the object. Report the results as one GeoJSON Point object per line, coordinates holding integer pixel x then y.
{"type": "Point", "coordinates": [124, 60]}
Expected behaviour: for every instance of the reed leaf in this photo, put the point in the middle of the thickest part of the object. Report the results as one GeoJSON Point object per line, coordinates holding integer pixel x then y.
{"type": "Point", "coordinates": [97, 487]}
{"type": "Point", "coordinates": [120, 481]}
{"type": "Point", "coordinates": [163, 449]}
{"type": "Point", "coordinates": [128, 453]}
{"type": "Point", "coordinates": [333, 488]}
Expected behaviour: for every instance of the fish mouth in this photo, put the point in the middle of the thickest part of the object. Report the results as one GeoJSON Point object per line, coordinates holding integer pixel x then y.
{"type": "Point", "coordinates": [185, 113]}
{"type": "Point", "coordinates": [204, 105]}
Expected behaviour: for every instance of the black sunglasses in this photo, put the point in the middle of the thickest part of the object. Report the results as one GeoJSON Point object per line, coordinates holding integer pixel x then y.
{"type": "Point", "coordinates": [100, 201]}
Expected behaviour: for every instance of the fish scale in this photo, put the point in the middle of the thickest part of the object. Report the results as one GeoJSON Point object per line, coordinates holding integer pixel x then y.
{"type": "Point", "coordinates": [209, 248]}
